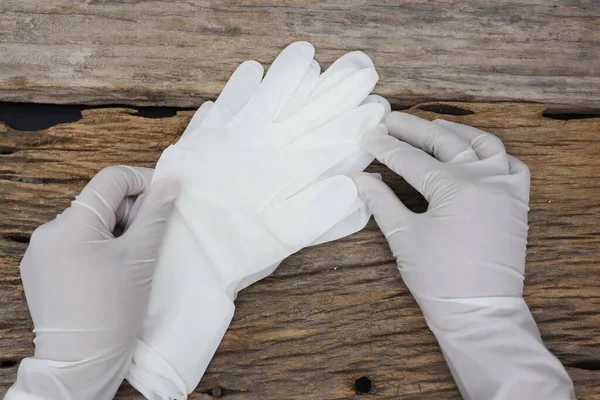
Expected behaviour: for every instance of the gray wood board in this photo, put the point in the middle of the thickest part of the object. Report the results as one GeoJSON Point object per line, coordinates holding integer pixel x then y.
{"type": "Point", "coordinates": [179, 53]}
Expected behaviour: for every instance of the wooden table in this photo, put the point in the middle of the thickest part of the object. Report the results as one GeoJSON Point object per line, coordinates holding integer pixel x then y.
{"type": "Point", "coordinates": [527, 71]}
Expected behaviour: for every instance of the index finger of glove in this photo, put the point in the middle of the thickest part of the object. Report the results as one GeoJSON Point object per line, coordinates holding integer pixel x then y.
{"type": "Point", "coordinates": [434, 139]}
{"type": "Point", "coordinates": [414, 165]}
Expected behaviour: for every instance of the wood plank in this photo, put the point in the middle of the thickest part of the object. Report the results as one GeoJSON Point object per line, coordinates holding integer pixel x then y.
{"type": "Point", "coordinates": [179, 53]}
{"type": "Point", "coordinates": [337, 312]}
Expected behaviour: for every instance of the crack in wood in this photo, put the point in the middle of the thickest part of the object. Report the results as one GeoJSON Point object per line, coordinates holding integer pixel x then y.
{"type": "Point", "coordinates": [590, 365]}
{"type": "Point", "coordinates": [16, 237]}
{"type": "Point", "coordinates": [570, 114]}
{"type": "Point", "coordinates": [27, 117]}
{"type": "Point", "coordinates": [445, 109]}
{"type": "Point", "coordinates": [7, 362]}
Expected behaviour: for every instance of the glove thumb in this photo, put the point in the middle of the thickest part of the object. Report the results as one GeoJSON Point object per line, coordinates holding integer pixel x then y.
{"type": "Point", "coordinates": [389, 212]}
{"type": "Point", "coordinates": [148, 226]}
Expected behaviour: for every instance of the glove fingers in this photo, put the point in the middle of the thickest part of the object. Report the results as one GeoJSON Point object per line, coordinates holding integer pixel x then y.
{"type": "Point", "coordinates": [390, 214]}
{"type": "Point", "coordinates": [346, 127]}
{"type": "Point", "coordinates": [375, 98]}
{"type": "Point", "coordinates": [241, 86]}
{"type": "Point", "coordinates": [341, 69]}
{"type": "Point", "coordinates": [342, 98]}
{"type": "Point", "coordinates": [197, 120]}
{"type": "Point", "coordinates": [324, 86]}
{"type": "Point", "coordinates": [517, 166]}
{"type": "Point", "coordinates": [301, 94]}
{"type": "Point", "coordinates": [126, 211]}
{"type": "Point", "coordinates": [334, 144]}
{"type": "Point", "coordinates": [99, 201]}
{"type": "Point", "coordinates": [356, 220]}
{"type": "Point", "coordinates": [358, 215]}
{"type": "Point", "coordinates": [442, 143]}
{"type": "Point", "coordinates": [354, 59]}
{"type": "Point", "coordinates": [355, 163]}
{"type": "Point", "coordinates": [413, 164]}
{"type": "Point", "coordinates": [280, 82]}
{"type": "Point", "coordinates": [145, 232]}
{"type": "Point", "coordinates": [484, 144]}
{"type": "Point", "coordinates": [300, 220]}
{"type": "Point", "coordinates": [234, 96]}
{"type": "Point", "coordinates": [520, 171]}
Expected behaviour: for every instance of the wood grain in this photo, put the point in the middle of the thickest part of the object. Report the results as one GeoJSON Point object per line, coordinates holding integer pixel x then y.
{"type": "Point", "coordinates": [336, 312]}
{"type": "Point", "coordinates": [179, 53]}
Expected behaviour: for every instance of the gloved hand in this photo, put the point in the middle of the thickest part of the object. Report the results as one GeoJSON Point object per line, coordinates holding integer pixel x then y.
{"type": "Point", "coordinates": [88, 291]}
{"type": "Point", "coordinates": [464, 259]}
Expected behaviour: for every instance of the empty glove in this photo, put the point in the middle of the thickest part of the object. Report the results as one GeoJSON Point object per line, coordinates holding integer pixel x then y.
{"type": "Point", "coordinates": [88, 291]}
{"type": "Point", "coordinates": [259, 183]}
{"type": "Point", "coordinates": [464, 259]}
{"type": "Point", "coordinates": [244, 82]}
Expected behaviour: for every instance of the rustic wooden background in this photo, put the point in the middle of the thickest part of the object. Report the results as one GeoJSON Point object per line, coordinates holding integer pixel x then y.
{"type": "Point", "coordinates": [337, 312]}
{"type": "Point", "coordinates": [178, 52]}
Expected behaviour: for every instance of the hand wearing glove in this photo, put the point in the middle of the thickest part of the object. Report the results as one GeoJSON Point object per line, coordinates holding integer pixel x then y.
{"type": "Point", "coordinates": [88, 291]}
{"type": "Point", "coordinates": [464, 259]}
{"type": "Point", "coordinates": [260, 173]}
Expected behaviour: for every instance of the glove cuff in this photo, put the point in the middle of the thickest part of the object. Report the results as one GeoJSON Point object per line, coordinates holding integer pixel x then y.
{"type": "Point", "coordinates": [494, 350]}
{"type": "Point", "coordinates": [153, 376]}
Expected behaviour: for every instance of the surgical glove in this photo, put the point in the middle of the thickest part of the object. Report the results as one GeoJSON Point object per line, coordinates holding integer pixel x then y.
{"type": "Point", "coordinates": [243, 83]}
{"type": "Point", "coordinates": [256, 188]}
{"type": "Point", "coordinates": [464, 259]}
{"type": "Point", "coordinates": [88, 290]}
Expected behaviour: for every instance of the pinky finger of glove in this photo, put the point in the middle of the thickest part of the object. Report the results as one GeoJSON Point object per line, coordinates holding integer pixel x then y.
{"type": "Point", "coordinates": [241, 86]}
{"type": "Point", "coordinates": [197, 120]}
{"type": "Point", "coordinates": [236, 93]}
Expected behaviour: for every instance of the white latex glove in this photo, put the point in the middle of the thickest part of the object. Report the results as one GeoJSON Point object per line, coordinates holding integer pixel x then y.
{"type": "Point", "coordinates": [240, 88]}
{"type": "Point", "coordinates": [88, 291]}
{"type": "Point", "coordinates": [464, 259]}
{"type": "Point", "coordinates": [256, 187]}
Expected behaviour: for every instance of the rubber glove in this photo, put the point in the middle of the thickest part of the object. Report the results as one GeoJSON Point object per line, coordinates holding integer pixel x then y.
{"type": "Point", "coordinates": [253, 192]}
{"type": "Point", "coordinates": [246, 79]}
{"type": "Point", "coordinates": [88, 290]}
{"type": "Point", "coordinates": [464, 259]}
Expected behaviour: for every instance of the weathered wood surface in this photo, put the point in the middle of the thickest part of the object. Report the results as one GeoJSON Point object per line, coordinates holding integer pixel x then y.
{"type": "Point", "coordinates": [178, 53]}
{"type": "Point", "coordinates": [337, 312]}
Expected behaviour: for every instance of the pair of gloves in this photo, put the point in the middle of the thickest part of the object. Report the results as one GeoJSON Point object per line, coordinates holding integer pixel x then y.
{"type": "Point", "coordinates": [463, 260]}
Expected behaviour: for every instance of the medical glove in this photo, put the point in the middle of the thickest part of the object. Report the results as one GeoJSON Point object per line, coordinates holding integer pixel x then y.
{"type": "Point", "coordinates": [464, 259]}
